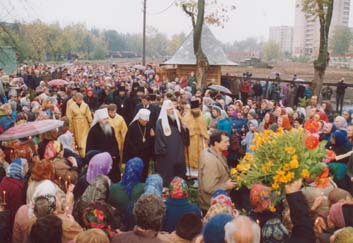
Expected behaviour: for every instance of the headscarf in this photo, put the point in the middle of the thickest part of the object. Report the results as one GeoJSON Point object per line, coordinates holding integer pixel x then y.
{"type": "Point", "coordinates": [216, 209]}
{"type": "Point", "coordinates": [274, 231]}
{"type": "Point", "coordinates": [255, 123]}
{"type": "Point", "coordinates": [45, 188]}
{"type": "Point", "coordinates": [100, 164]}
{"type": "Point", "coordinates": [143, 114]}
{"type": "Point", "coordinates": [17, 169]}
{"type": "Point", "coordinates": [163, 115]}
{"type": "Point", "coordinates": [96, 219]}
{"type": "Point", "coordinates": [66, 140]}
{"type": "Point", "coordinates": [99, 115]}
{"type": "Point", "coordinates": [340, 138]}
{"type": "Point", "coordinates": [341, 123]}
{"type": "Point", "coordinates": [344, 235]}
{"type": "Point", "coordinates": [336, 215]}
{"type": "Point", "coordinates": [178, 189]}
{"type": "Point", "coordinates": [261, 198]}
{"type": "Point", "coordinates": [154, 185]}
{"type": "Point", "coordinates": [132, 174]}
{"type": "Point", "coordinates": [286, 122]}
{"type": "Point", "coordinates": [221, 199]}
{"type": "Point", "coordinates": [42, 170]}
{"type": "Point", "coordinates": [213, 231]}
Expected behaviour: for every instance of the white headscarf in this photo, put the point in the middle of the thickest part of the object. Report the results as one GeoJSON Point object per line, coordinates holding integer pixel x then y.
{"type": "Point", "coordinates": [45, 187]}
{"type": "Point", "coordinates": [99, 115]}
{"type": "Point", "coordinates": [164, 116]}
{"type": "Point", "coordinates": [143, 114]}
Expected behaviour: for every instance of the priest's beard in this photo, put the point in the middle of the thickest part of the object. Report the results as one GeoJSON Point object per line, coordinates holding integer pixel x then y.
{"type": "Point", "coordinates": [195, 114]}
{"type": "Point", "coordinates": [107, 129]}
{"type": "Point", "coordinates": [172, 117]}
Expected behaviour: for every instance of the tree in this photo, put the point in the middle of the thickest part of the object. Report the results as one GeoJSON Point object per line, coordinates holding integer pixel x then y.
{"type": "Point", "coordinates": [271, 51]}
{"type": "Point", "coordinates": [218, 15]}
{"type": "Point", "coordinates": [341, 40]}
{"type": "Point", "coordinates": [321, 9]}
{"type": "Point", "coordinates": [175, 42]}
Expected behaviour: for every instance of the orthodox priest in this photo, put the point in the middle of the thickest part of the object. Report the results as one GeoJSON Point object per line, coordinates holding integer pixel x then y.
{"type": "Point", "coordinates": [80, 119]}
{"type": "Point", "coordinates": [101, 137]}
{"type": "Point", "coordinates": [170, 143]}
{"type": "Point", "coordinates": [139, 140]}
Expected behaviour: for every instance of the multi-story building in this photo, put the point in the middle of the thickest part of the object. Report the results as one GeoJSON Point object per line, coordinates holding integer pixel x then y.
{"type": "Point", "coordinates": [283, 36]}
{"type": "Point", "coordinates": [306, 32]}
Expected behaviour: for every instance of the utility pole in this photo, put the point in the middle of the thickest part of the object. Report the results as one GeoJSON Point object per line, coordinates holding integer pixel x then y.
{"type": "Point", "coordinates": [144, 34]}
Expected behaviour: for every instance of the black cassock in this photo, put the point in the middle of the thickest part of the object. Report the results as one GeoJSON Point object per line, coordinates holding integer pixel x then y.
{"type": "Point", "coordinates": [97, 140]}
{"type": "Point", "coordinates": [134, 145]}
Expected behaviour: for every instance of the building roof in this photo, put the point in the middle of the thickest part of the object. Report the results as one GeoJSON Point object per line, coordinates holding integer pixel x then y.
{"type": "Point", "coordinates": [211, 47]}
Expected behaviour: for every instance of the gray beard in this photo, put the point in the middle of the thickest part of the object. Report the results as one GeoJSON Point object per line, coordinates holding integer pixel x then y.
{"type": "Point", "coordinates": [107, 129]}
{"type": "Point", "coordinates": [172, 117]}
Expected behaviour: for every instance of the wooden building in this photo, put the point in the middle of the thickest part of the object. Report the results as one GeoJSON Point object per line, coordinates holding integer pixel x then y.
{"type": "Point", "coordinates": [183, 62]}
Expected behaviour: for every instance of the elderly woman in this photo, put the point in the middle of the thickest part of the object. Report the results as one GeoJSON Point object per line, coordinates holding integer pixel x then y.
{"type": "Point", "coordinates": [129, 189]}
{"type": "Point", "coordinates": [177, 204]}
{"type": "Point", "coordinates": [100, 164]}
{"type": "Point", "coordinates": [12, 187]}
{"type": "Point", "coordinates": [341, 124]}
{"type": "Point", "coordinates": [154, 185]}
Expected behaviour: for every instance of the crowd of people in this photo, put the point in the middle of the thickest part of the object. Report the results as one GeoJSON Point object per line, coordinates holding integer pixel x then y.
{"type": "Point", "coordinates": [135, 145]}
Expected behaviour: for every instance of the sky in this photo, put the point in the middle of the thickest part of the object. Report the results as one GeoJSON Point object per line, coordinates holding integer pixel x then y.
{"type": "Point", "coordinates": [251, 18]}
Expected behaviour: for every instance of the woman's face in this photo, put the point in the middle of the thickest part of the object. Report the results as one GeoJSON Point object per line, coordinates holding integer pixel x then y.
{"type": "Point", "coordinates": [267, 118]}
{"type": "Point", "coordinates": [214, 113]}
{"type": "Point", "coordinates": [230, 111]}
{"type": "Point", "coordinates": [337, 122]}
{"type": "Point", "coordinates": [323, 106]}
{"type": "Point", "coordinates": [296, 124]}
{"type": "Point", "coordinates": [328, 128]}
{"type": "Point", "coordinates": [346, 115]}
{"type": "Point", "coordinates": [279, 121]}
{"type": "Point", "coordinates": [350, 131]}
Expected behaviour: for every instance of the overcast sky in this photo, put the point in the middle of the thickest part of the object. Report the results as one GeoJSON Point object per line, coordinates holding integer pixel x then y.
{"type": "Point", "coordinates": [252, 18]}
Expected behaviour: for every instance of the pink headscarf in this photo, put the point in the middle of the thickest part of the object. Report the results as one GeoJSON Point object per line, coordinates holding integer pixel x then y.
{"type": "Point", "coordinates": [100, 164]}
{"type": "Point", "coordinates": [336, 215]}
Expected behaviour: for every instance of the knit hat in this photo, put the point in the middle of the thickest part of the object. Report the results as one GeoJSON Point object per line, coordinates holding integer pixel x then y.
{"type": "Point", "coordinates": [344, 235]}
{"type": "Point", "coordinates": [178, 188]}
{"type": "Point", "coordinates": [261, 198]}
{"type": "Point", "coordinates": [213, 231]}
{"type": "Point", "coordinates": [42, 170]}
{"type": "Point", "coordinates": [274, 231]}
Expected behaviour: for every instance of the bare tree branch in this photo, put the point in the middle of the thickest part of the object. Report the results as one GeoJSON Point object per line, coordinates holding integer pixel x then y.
{"type": "Point", "coordinates": [191, 14]}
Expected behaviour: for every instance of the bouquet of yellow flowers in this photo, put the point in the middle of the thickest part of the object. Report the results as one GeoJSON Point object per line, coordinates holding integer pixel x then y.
{"type": "Point", "coordinates": [280, 158]}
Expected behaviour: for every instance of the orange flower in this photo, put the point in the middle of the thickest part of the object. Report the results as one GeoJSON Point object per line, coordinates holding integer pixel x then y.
{"type": "Point", "coordinates": [330, 155]}
{"type": "Point", "coordinates": [305, 173]}
{"type": "Point", "coordinates": [311, 126]}
{"type": "Point", "coordinates": [311, 142]}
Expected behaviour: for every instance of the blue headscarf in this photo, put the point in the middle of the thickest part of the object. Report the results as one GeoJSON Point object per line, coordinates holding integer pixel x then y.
{"type": "Point", "coordinates": [213, 231]}
{"type": "Point", "coordinates": [17, 169]}
{"type": "Point", "coordinates": [340, 138]}
{"type": "Point", "coordinates": [132, 174]}
{"type": "Point", "coordinates": [154, 185]}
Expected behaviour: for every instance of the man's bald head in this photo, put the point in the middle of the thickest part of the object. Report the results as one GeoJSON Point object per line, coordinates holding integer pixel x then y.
{"type": "Point", "coordinates": [242, 230]}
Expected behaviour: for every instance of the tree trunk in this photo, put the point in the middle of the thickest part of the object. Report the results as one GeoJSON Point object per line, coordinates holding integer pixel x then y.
{"type": "Point", "coordinates": [321, 63]}
{"type": "Point", "coordinates": [201, 59]}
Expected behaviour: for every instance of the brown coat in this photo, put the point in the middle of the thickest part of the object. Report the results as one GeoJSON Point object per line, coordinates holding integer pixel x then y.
{"type": "Point", "coordinates": [213, 175]}
{"type": "Point", "coordinates": [171, 238]}
{"type": "Point", "coordinates": [136, 236]}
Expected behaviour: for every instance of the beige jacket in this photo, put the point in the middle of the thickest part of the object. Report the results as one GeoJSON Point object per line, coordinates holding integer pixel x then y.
{"type": "Point", "coordinates": [213, 175]}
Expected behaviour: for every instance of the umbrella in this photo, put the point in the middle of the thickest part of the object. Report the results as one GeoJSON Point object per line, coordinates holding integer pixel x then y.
{"type": "Point", "coordinates": [30, 129]}
{"type": "Point", "coordinates": [58, 82]}
{"type": "Point", "coordinates": [220, 88]}
{"type": "Point", "coordinates": [139, 67]}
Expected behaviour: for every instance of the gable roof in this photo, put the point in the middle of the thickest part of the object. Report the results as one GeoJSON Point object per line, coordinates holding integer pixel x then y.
{"type": "Point", "coordinates": [211, 47]}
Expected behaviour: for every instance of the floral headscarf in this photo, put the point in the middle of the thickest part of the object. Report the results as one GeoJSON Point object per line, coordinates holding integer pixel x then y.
{"type": "Point", "coordinates": [178, 189]}
{"type": "Point", "coordinates": [132, 174]}
{"type": "Point", "coordinates": [17, 169]}
{"type": "Point", "coordinates": [100, 164]}
{"type": "Point", "coordinates": [154, 185]}
{"type": "Point", "coordinates": [261, 198]}
{"type": "Point", "coordinates": [96, 219]}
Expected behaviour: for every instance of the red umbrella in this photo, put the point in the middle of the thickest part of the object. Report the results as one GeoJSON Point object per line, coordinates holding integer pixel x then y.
{"type": "Point", "coordinates": [30, 129]}
{"type": "Point", "coordinates": [58, 82]}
